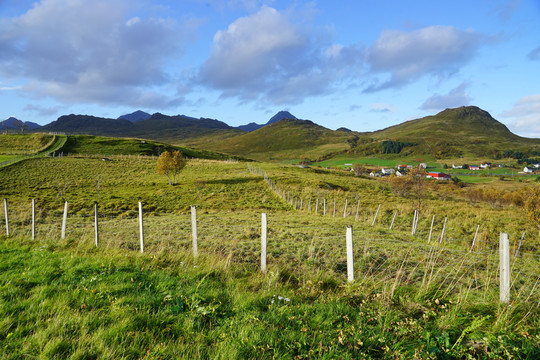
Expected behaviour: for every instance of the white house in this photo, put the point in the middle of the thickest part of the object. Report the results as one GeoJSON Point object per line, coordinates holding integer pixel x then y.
{"type": "Point", "coordinates": [387, 171]}
{"type": "Point", "coordinates": [528, 170]}
{"type": "Point", "coordinates": [457, 166]}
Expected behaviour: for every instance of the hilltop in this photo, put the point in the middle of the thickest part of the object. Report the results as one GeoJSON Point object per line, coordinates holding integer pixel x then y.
{"type": "Point", "coordinates": [282, 140]}
{"type": "Point", "coordinates": [457, 132]}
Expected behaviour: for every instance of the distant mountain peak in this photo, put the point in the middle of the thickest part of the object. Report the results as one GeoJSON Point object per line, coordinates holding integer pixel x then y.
{"type": "Point", "coordinates": [280, 116]}
{"type": "Point", "coordinates": [135, 116]}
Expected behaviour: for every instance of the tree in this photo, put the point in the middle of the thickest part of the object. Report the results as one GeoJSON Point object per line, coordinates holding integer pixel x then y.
{"type": "Point", "coordinates": [170, 165]}
{"type": "Point", "coordinates": [21, 125]}
{"type": "Point", "coordinates": [358, 169]}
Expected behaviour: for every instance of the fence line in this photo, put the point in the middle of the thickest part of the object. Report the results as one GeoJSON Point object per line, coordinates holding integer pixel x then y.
{"type": "Point", "coordinates": [316, 247]}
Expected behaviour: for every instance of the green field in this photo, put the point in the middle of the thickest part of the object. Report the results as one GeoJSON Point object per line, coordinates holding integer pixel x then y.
{"type": "Point", "coordinates": [65, 298]}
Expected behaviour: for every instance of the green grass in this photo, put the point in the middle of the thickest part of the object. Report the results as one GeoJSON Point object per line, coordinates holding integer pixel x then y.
{"type": "Point", "coordinates": [67, 299]}
{"type": "Point", "coordinates": [106, 146]}
{"type": "Point", "coordinates": [23, 143]}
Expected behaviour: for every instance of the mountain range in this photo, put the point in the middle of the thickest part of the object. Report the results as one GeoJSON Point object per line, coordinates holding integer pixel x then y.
{"type": "Point", "coordinates": [457, 132]}
{"type": "Point", "coordinates": [13, 123]}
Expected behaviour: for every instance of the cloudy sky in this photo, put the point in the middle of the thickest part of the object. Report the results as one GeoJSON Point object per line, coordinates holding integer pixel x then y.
{"type": "Point", "coordinates": [361, 64]}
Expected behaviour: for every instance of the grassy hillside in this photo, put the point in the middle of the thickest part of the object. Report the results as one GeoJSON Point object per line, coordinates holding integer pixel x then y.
{"type": "Point", "coordinates": [453, 133]}
{"type": "Point", "coordinates": [284, 140]}
{"type": "Point", "coordinates": [20, 143]}
{"type": "Point", "coordinates": [88, 144]}
{"type": "Point", "coordinates": [64, 298]}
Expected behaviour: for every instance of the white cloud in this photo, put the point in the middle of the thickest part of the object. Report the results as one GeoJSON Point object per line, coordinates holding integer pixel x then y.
{"type": "Point", "coordinates": [74, 51]}
{"type": "Point", "coordinates": [455, 98]}
{"type": "Point", "coordinates": [434, 50]}
{"type": "Point", "coordinates": [524, 116]}
{"type": "Point", "coordinates": [265, 56]}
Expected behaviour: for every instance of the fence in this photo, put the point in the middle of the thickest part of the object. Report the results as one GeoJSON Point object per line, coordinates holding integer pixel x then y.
{"type": "Point", "coordinates": [287, 241]}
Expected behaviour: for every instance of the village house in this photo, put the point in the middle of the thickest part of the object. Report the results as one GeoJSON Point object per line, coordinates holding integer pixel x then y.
{"type": "Point", "coordinates": [474, 167]}
{"type": "Point", "coordinates": [457, 166]}
{"type": "Point", "coordinates": [438, 176]}
{"type": "Point", "coordinates": [485, 165]}
{"type": "Point", "coordinates": [387, 171]}
{"type": "Point", "coordinates": [528, 170]}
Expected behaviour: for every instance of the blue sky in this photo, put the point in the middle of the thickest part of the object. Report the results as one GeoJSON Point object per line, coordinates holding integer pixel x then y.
{"type": "Point", "coordinates": [363, 64]}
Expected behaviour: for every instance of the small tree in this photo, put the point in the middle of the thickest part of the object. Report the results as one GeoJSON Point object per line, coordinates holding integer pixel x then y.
{"type": "Point", "coordinates": [358, 169]}
{"type": "Point", "coordinates": [170, 165]}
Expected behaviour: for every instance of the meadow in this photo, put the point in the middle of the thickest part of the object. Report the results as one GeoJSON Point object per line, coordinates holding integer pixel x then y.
{"type": "Point", "coordinates": [65, 298]}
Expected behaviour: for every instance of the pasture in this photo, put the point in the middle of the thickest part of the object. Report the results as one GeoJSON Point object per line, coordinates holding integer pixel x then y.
{"type": "Point", "coordinates": [411, 298]}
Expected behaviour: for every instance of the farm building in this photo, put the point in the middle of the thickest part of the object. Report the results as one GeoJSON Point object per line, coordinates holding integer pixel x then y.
{"type": "Point", "coordinates": [474, 167]}
{"type": "Point", "coordinates": [485, 165]}
{"type": "Point", "coordinates": [528, 170]}
{"type": "Point", "coordinates": [387, 171]}
{"type": "Point", "coordinates": [439, 176]}
{"type": "Point", "coordinates": [457, 166]}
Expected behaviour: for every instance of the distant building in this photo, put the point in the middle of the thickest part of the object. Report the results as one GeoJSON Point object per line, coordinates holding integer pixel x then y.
{"type": "Point", "coordinates": [423, 166]}
{"type": "Point", "coordinates": [485, 165]}
{"type": "Point", "coordinates": [457, 166]}
{"type": "Point", "coordinates": [474, 167]}
{"type": "Point", "coordinates": [528, 170]}
{"type": "Point", "coordinates": [439, 176]}
{"type": "Point", "coordinates": [388, 171]}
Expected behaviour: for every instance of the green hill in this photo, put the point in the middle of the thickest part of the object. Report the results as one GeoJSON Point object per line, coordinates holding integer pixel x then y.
{"type": "Point", "coordinates": [461, 132]}
{"type": "Point", "coordinates": [288, 139]}
{"type": "Point", "coordinates": [89, 144]}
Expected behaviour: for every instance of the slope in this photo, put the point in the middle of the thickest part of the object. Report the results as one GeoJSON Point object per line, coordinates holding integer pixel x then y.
{"type": "Point", "coordinates": [460, 132]}
{"type": "Point", "coordinates": [288, 139]}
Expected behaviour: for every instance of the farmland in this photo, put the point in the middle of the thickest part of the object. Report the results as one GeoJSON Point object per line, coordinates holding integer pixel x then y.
{"type": "Point", "coordinates": [65, 298]}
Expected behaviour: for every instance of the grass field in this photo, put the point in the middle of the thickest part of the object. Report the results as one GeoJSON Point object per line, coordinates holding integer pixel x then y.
{"type": "Point", "coordinates": [64, 298]}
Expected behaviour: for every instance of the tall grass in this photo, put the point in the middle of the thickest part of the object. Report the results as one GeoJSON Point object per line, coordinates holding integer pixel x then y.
{"type": "Point", "coordinates": [410, 298]}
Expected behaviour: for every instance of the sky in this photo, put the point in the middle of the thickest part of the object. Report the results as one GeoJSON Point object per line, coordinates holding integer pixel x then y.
{"type": "Point", "coordinates": [363, 64]}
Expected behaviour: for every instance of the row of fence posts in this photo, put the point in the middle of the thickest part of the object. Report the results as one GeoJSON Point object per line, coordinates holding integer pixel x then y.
{"type": "Point", "coordinates": [504, 244]}
{"type": "Point", "coordinates": [291, 200]}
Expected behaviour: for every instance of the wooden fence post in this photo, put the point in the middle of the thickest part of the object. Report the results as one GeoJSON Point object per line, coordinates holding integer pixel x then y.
{"type": "Point", "coordinates": [7, 216]}
{"type": "Point", "coordinates": [345, 210]}
{"type": "Point", "coordinates": [475, 235]}
{"type": "Point", "coordinates": [519, 246]}
{"type": "Point", "coordinates": [96, 224]}
{"type": "Point", "coordinates": [64, 220]}
{"type": "Point", "coordinates": [504, 253]}
{"type": "Point", "coordinates": [33, 219]}
{"type": "Point", "coordinates": [316, 206]}
{"type": "Point", "coordinates": [350, 259]}
{"type": "Point", "coordinates": [443, 229]}
{"type": "Point", "coordinates": [414, 222]}
{"type": "Point", "coordinates": [264, 224]}
{"type": "Point", "coordinates": [334, 208]}
{"type": "Point", "coordinates": [324, 207]}
{"type": "Point", "coordinates": [194, 230]}
{"type": "Point", "coordinates": [393, 219]}
{"type": "Point", "coordinates": [357, 209]}
{"type": "Point", "coordinates": [377, 213]}
{"type": "Point", "coordinates": [141, 228]}
{"type": "Point", "coordinates": [431, 228]}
